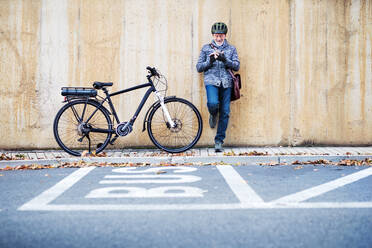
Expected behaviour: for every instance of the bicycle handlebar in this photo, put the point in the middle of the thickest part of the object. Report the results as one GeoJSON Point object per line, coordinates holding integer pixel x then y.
{"type": "Point", "coordinates": [152, 71]}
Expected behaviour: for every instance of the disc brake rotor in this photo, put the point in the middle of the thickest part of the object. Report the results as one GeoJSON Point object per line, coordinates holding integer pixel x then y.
{"type": "Point", "coordinates": [178, 126]}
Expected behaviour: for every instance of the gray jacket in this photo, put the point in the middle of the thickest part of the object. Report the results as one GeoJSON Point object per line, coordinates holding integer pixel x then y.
{"type": "Point", "coordinates": [217, 73]}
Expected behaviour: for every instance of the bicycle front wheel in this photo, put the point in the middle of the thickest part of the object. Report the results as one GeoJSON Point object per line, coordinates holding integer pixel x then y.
{"type": "Point", "coordinates": [82, 126]}
{"type": "Point", "coordinates": [184, 135]}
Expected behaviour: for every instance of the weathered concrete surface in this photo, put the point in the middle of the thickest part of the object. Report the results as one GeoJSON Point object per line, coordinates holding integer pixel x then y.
{"type": "Point", "coordinates": [331, 72]}
{"type": "Point", "coordinates": [306, 65]}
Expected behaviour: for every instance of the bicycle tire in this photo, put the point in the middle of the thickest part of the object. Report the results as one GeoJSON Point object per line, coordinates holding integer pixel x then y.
{"type": "Point", "coordinates": [187, 132]}
{"type": "Point", "coordinates": [67, 128]}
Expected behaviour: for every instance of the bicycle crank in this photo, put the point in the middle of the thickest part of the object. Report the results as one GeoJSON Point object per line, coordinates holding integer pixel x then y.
{"type": "Point", "coordinates": [124, 128]}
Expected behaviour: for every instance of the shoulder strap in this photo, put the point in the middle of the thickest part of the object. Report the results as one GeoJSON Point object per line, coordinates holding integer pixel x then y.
{"type": "Point", "coordinates": [231, 73]}
{"type": "Point", "coordinates": [213, 46]}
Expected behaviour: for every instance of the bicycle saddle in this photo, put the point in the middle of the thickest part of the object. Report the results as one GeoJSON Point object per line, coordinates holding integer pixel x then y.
{"type": "Point", "coordinates": [100, 85]}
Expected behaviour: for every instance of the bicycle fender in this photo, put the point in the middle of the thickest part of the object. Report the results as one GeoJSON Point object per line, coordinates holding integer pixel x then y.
{"type": "Point", "coordinates": [151, 107]}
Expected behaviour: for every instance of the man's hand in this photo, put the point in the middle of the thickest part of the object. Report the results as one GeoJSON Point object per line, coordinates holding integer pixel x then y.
{"type": "Point", "coordinates": [221, 57]}
{"type": "Point", "coordinates": [213, 56]}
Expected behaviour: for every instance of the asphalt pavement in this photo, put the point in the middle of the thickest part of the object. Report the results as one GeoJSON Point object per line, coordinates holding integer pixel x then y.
{"type": "Point", "coordinates": [201, 200]}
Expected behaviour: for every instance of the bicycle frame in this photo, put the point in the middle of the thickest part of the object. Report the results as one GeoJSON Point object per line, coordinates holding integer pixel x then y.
{"type": "Point", "coordinates": [142, 103]}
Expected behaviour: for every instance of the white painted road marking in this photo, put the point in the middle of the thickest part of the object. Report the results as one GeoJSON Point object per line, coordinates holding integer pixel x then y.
{"type": "Point", "coordinates": [178, 169]}
{"type": "Point", "coordinates": [131, 177]}
{"type": "Point", "coordinates": [169, 207]}
{"type": "Point", "coordinates": [326, 187]}
{"type": "Point", "coordinates": [156, 179]}
{"type": "Point", "coordinates": [54, 192]}
{"type": "Point", "coordinates": [248, 200]}
{"type": "Point", "coordinates": [137, 192]}
{"type": "Point", "coordinates": [238, 185]}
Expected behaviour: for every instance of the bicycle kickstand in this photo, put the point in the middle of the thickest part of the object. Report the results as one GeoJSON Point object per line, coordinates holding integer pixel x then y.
{"type": "Point", "coordinates": [81, 140]}
{"type": "Point", "coordinates": [89, 150]}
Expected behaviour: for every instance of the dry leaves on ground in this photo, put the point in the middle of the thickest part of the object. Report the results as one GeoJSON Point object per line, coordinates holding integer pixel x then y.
{"type": "Point", "coordinates": [319, 161]}
{"type": "Point", "coordinates": [79, 164]}
{"type": "Point", "coordinates": [166, 154]}
{"type": "Point", "coordinates": [3, 156]}
{"type": "Point", "coordinates": [82, 163]}
{"type": "Point", "coordinates": [349, 162]}
{"type": "Point", "coordinates": [345, 162]}
{"type": "Point", "coordinates": [301, 154]}
{"type": "Point", "coordinates": [253, 153]}
{"type": "Point", "coordinates": [27, 167]}
{"type": "Point", "coordinates": [93, 154]}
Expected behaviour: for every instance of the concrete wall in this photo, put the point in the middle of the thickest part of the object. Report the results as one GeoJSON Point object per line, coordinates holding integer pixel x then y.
{"type": "Point", "coordinates": [306, 65]}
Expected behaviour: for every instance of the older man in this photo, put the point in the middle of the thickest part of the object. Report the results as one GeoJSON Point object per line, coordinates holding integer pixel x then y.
{"type": "Point", "coordinates": [215, 59]}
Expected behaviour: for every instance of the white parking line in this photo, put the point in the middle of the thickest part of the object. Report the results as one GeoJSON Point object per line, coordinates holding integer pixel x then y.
{"type": "Point", "coordinates": [326, 187]}
{"type": "Point", "coordinates": [153, 179]}
{"type": "Point", "coordinates": [238, 185]}
{"type": "Point", "coordinates": [54, 192]}
{"type": "Point", "coordinates": [195, 207]}
{"type": "Point", "coordinates": [249, 199]}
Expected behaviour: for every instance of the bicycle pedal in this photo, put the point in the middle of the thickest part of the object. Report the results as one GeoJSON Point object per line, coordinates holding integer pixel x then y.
{"type": "Point", "coordinates": [113, 140]}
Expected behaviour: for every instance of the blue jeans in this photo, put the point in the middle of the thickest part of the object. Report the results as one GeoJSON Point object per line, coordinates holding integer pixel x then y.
{"type": "Point", "coordinates": [218, 100]}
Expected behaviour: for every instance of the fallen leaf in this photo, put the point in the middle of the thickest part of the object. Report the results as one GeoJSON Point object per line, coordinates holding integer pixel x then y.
{"type": "Point", "coordinates": [20, 156]}
{"type": "Point", "coordinates": [84, 153]}
{"type": "Point", "coordinates": [269, 164]}
{"type": "Point", "coordinates": [161, 172]}
{"type": "Point", "coordinates": [253, 153]}
{"type": "Point", "coordinates": [3, 156]}
{"type": "Point", "coordinates": [298, 167]}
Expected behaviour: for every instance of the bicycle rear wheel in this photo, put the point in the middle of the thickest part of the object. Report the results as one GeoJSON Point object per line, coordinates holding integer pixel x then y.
{"type": "Point", "coordinates": [188, 128]}
{"type": "Point", "coordinates": [73, 132]}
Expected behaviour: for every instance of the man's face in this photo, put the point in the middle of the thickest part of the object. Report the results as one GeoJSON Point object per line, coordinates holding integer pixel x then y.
{"type": "Point", "coordinates": [219, 38]}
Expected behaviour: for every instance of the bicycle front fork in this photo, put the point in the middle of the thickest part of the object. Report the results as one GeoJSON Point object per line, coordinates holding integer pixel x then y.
{"type": "Point", "coordinates": [165, 110]}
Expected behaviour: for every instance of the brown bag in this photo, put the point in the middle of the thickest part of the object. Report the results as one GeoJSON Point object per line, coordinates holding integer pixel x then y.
{"type": "Point", "coordinates": [237, 85]}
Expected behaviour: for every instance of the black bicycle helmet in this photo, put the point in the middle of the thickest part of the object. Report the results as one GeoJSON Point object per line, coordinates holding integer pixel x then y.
{"type": "Point", "coordinates": [219, 28]}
